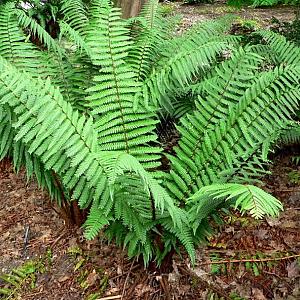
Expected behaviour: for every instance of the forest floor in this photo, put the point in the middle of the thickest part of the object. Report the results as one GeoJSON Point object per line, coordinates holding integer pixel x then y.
{"type": "Point", "coordinates": [261, 17]}
{"type": "Point", "coordinates": [256, 259]}
{"type": "Point", "coordinates": [247, 258]}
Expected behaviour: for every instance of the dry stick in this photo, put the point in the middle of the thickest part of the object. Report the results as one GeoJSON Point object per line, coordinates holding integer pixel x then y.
{"type": "Point", "coordinates": [127, 277]}
{"type": "Point", "coordinates": [248, 260]}
{"type": "Point", "coordinates": [165, 288]}
{"type": "Point", "coordinates": [110, 297]}
{"type": "Point", "coordinates": [57, 239]}
{"type": "Point", "coordinates": [121, 275]}
{"type": "Point", "coordinates": [287, 190]}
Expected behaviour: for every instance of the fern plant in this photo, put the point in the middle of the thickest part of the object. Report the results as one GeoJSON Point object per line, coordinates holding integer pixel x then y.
{"type": "Point", "coordinates": [80, 110]}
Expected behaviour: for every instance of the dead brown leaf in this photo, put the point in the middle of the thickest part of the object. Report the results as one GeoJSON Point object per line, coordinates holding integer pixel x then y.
{"type": "Point", "coordinates": [142, 289]}
{"type": "Point", "coordinates": [92, 278]}
{"type": "Point", "coordinates": [293, 269]}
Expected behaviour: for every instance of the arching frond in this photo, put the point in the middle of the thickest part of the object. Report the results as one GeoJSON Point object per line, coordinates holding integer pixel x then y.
{"type": "Point", "coordinates": [246, 197]}
{"type": "Point", "coordinates": [178, 70]}
{"type": "Point", "coordinates": [291, 134]}
{"type": "Point", "coordinates": [149, 33]}
{"type": "Point", "coordinates": [70, 151]}
{"type": "Point", "coordinates": [13, 47]}
{"type": "Point", "coordinates": [224, 89]}
{"type": "Point", "coordinates": [36, 30]}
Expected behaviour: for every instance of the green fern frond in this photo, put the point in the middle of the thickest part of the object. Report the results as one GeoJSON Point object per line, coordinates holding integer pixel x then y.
{"type": "Point", "coordinates": [116, 164]}
{"type": "Point", "coordinates": [132, 216]}
{"type": "Point", "coordinates": [149, 34]}
{"type": "Point", "coordinates": [74, 36]}
{"type": "Point", "coordinates": [95, 222]}
{"type": "Point", "coordinates": [26, 56]}
{"type": "Point", "coordinates": [75, 14]}
{"type": "Point", "coordinates": [129, 239]}
{"type": "Point", "coordinates": [285, 51]}
{"type": "Point", "coordinates": [290, 135]}
{"type": "Point", "coordinates": [185, 236]}
{"type": "Point", "coordinates": [119, 126]}
{"type": "Point", "coordinates": [225, 88]}
{"type": "Point", "coordinates": [265, 105]}
{"type": "Point", "coordinates": [6, 132]}
{"type": "Point", "coordinates": [210, 28]}
{"type": "Point", "coordinates": [246, 197]}
{"type": "Point", "coordinates": [150, 12]}
{"type": "Point", "coordinates": [181, 60]}
{"type": "Point", "coordinates": [72, 150]}
{"type": "Point", "coordinates": [20, 157]}
{"type": "Point", "coordinates": [13, 46]}
{"type": "Point", "coordinates": [178, 70]}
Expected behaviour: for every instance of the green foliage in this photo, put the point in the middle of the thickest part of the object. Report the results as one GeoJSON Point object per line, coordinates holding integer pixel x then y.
{"type": "Point", "coordinates": [294, 177]}
{"type": "Point", "coordinates": [261, 3]}
{"type": "Point", "coordinates": [79, 108]}
{"type": "Point", "coordinates": [22, 277]}
{"type": "Point", "coordinates": [17, 278]}
{"type": "Point", "coordinates": [290, 136]}
{"type": "Point", "coordinates": [249, 198]}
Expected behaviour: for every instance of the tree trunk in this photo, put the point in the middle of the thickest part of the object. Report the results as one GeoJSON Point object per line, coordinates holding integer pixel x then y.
{"type": "Point", "coordinates": [130, 8]}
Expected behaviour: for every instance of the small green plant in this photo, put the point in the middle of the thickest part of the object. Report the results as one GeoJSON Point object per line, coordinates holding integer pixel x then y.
{"type": "Point", "coordinates": [294, 177]}
{"type": "Point", "coordinates": [248, 24]}
{"type": "Point", "coordinates": [167, 9]}
{"type": "Point", "coordinates": [254, 264]}
{"type": "Point", "coordinates": [74, 251]}
{"type": "Point", "coordinates": [15, 281]}
{"type": "Point", "coordinates": [85, 275]}
{"type": "Point", "coordinates": [235, 296]}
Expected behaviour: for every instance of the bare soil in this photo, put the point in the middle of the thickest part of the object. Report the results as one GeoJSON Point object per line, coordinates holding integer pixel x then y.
{"type": "Point", "coordinates": [192, 14]}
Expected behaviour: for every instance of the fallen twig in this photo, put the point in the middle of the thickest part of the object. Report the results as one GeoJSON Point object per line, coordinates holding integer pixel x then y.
{"type": "Point", "coordinates": [228, 261]}
{"type": "Point", "coordinates": [127, 277]}
{"type": "Point", "coordinates": [111, 297]}
{"type": "Point", "coordinates": [165, 287]}
{"type": "Point", "coordinates": [57, 239]}
{"type": "Point", "coordinates": [125, 273]}
{"type": "Point", "coordinates": [26, 239]}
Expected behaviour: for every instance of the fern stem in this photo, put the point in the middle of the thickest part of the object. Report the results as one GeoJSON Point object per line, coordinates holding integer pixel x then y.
{"type": "Point", "coordinates": [153, 207]}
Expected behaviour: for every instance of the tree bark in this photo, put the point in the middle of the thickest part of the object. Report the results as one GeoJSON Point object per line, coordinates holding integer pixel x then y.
{"type": "Point", "coordinates": [130, 8]}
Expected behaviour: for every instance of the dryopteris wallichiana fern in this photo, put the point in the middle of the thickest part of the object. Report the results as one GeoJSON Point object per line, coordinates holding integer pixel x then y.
{"type": "Point", "coordinates": [81, 112]}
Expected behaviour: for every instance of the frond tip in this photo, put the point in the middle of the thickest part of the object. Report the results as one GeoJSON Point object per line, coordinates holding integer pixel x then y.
{"type": "Point", "coordinates": [247, 198]}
